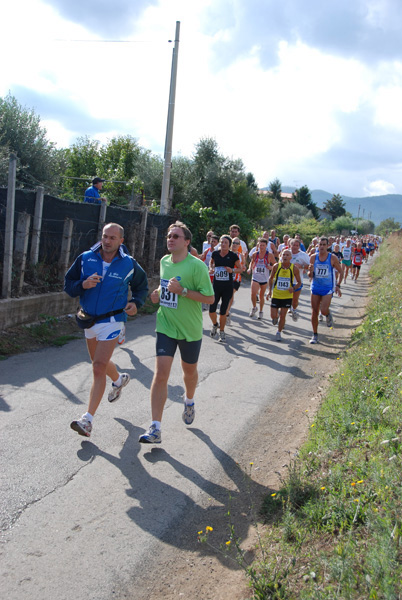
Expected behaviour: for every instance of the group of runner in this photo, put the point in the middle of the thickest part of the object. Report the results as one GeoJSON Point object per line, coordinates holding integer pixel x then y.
{"type": "Point", "coordinates": [103, 276]}
{"type": "Point", "coordinates": [277, 274]}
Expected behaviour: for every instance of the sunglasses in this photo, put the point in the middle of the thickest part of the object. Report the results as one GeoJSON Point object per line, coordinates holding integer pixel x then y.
{"type": "Point", "coordinates": [175, 236]}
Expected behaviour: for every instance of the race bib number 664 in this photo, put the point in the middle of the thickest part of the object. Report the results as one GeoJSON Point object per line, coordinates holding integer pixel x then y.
{"type": "Point", "coordinates": [167, 298]}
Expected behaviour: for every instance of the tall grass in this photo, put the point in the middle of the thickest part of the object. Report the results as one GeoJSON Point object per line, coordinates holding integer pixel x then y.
{"type": "Point", "coordinates": [336, 521]}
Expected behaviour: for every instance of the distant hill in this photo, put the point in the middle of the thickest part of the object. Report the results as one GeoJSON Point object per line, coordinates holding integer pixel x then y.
{"type": "Point", "coordinates": [376, 208]}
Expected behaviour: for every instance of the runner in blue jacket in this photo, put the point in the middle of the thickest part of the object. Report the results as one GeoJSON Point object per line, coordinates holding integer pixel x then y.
{"type": "Point", "coordinates": [102, 277]}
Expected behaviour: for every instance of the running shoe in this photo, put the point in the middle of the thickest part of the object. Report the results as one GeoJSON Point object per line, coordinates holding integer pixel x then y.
{"type": "Point", "coordinates": [214, 330]}
{"type": "Point", "coordinates": [295, 315]}
{"type": "Point", "coordinates": [82, 426]}
{"type": "Point", "coordinates": [275, 321]}
{"type": "Point", "coordinates": [122, 336]}
{"type": "Point", "coordinates": [116, 390]}
{"type": "Point", "coordinates": [278, 336]}
{"type": "Point", "coordinates": [314, 339]}
{"type": "Point", "coordinates": [222, 337]}
{"type": "Point", "coordinates": [253, 311]}
{"type": "Point", "coordinates": [330, 320]}
{"type": "Point", "coordinates": [260, 315]}
{"type": "Point", "coordinates": [152, 436]}
{"type": "Point", "coordinates": [228, 321]}
{"type": "Point", "coordinates": [188, 413]}
{"type": "Point", "coordinates": [320, 318]}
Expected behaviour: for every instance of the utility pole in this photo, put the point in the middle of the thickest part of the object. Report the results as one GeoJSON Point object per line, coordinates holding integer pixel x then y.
{"type": "Point", "coordinates": [165, 204]}
{"type": "Point", "coordinates": [357, 220]}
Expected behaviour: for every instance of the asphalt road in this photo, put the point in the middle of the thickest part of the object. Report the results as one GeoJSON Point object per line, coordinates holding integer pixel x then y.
{"type": "Point", "coordinates": [84, 518]}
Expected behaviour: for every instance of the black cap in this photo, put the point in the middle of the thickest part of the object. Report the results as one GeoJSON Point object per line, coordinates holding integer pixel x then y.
{"type": "Point", "coordinates": [97, 180]}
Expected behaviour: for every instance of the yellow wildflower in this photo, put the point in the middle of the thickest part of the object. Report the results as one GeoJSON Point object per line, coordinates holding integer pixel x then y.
{"type": "Point", "coordinates": [200, 532]}
{"type": "Point", "coordinates": [323, 487]}
{"type": "Point", "coordinates": [273, 495]}
{"type": "Point", "coordinates": [228, 543]}
{"type": "Point", "coordinates": [208, 528]}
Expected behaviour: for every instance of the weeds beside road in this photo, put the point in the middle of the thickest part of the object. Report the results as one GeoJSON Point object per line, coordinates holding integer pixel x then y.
{"type": "Point", "coordinates": [334, 526]}
{"type": "Point", "coordinates": [48, 331]}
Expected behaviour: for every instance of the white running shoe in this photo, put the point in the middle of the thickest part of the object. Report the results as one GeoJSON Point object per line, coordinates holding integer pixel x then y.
{"type": "Point", "coordinates": [82, 426]}
{"type": "Point", "coordinates": [116, 391]}
{"type": "Point", "coordinates": [253, 311]}
{"type": "Point", "coordinates": [295, 315]}
{"type": "Point", "coordinates": [214, 330]}
{"type": "Point", "coordinates": [278, 336]}
{"type": "Point", "coordinates": [260, 315]}
{"type": "Point", "coordinates": [320, 318]}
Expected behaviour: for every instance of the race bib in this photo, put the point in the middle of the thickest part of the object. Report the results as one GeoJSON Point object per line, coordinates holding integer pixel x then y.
{"type": "Point", "coordinates": [321, 271]}
{"type": "Point", "coordinates": [358, 259]}
{"type": "Point", "coordinates": [221, 274]}
{"type": "Point", "coordinates": [283, 283]}
{"type": "Point", "coordinates": [260, 270]}
{"type": "Point", "coordinates": [347, 253]}
{"type": "Point", "coordinates": [166, 298]}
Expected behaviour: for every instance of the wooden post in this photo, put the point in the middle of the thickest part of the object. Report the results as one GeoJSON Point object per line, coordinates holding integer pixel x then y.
{"type": "Point", "coordinates": [21, 246]}
{"type": "Point", "coordinates": [65, 247]}
{"type": "Point", "coordinates": [143, 229]}
{"type": "Point", "coordinates": [9, 230]}
{"type": "Point", "coordinates": [37, 226]}
{"type": "Point", "coordinates": [136, 239]}
{"type": "Point", "coordinates": [153, 237]}
{"type": "Point", "coordinates": [102, 218]}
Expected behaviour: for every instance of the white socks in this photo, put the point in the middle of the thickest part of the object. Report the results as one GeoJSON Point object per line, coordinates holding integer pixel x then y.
{"type": "Point", "coordinates": [157, 424]}
{"type": "Point", "coordinates": [88, 417]}
{"type": "Point", "coordinates": [118, 382]}
{"type": "Point", "coordinates": [188, 401]}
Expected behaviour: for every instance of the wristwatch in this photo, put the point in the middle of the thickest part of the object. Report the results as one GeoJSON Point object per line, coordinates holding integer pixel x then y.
{"type": "Point", "coordinates": [184, 292]}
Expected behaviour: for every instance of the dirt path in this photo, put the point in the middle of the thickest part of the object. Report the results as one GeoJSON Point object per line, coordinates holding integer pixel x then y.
{"type": "Point", "coordinates": [204, 574]}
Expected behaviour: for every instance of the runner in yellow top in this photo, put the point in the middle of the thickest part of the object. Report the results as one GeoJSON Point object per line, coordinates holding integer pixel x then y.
{"type": "Point", "coordinates": [284, 280]}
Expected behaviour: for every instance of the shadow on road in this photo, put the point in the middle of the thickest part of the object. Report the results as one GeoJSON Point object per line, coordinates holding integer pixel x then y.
{"type": "Point", "coordinates": [159, 507]}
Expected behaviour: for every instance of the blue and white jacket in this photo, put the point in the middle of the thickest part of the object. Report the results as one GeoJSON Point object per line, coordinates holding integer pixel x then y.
{"type": "Point", "coordinates": [112, 292]}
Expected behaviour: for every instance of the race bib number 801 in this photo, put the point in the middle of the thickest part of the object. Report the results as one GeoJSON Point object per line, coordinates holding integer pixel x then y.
{"type": "Point", "coordinates": [166, 298]}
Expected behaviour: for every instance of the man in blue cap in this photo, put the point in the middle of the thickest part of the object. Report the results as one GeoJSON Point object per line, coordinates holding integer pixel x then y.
{"type": "Point", "coordinates": [92, 194]}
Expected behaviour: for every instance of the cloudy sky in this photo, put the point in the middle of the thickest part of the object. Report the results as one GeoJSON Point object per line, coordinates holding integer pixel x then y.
{"type": "Point", "coordinates": [309, 91]}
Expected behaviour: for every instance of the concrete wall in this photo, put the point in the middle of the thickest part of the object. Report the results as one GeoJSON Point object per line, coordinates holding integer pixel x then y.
{"type": "Point", "coordinates": [17, 311]}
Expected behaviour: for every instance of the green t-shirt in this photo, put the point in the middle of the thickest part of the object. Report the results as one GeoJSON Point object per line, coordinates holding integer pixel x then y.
{"type": "Point", "coordinates": [181, 318]}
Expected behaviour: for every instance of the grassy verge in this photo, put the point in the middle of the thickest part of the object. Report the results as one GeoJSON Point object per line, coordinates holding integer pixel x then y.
{"type": "Point", "coordinates": [334, 527]}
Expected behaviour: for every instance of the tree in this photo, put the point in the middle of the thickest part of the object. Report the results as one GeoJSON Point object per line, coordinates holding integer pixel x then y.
{"type": "Point", "coordinates": [365, 226]}
{"type": "Point", "coordinates": [335, 206]}
{"type": "Point", "coordinates": [293, 212]}
{"type": "Point", "coordinates": [387, 226]}
{"type": "Point", "coordinates": [275, 190]}
{"type": "Point", "coordinates": [126, 166]}
{"type": "Point", "coordinates": [39, 162]}
{"type": "Point", "coordinates": [303, 196]}
{"type": "Point", "coordinates": [82, 161]}
{"type": "Point", "coordinates": [343, 224]}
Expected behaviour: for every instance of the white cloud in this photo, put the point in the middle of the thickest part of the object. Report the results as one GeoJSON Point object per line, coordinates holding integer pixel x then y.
{"type": "Point", "coordinates": [379, 188]}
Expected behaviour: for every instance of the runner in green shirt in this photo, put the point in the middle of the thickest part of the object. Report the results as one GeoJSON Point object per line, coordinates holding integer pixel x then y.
{"type": "Point", "coordinates": [184, 285]}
